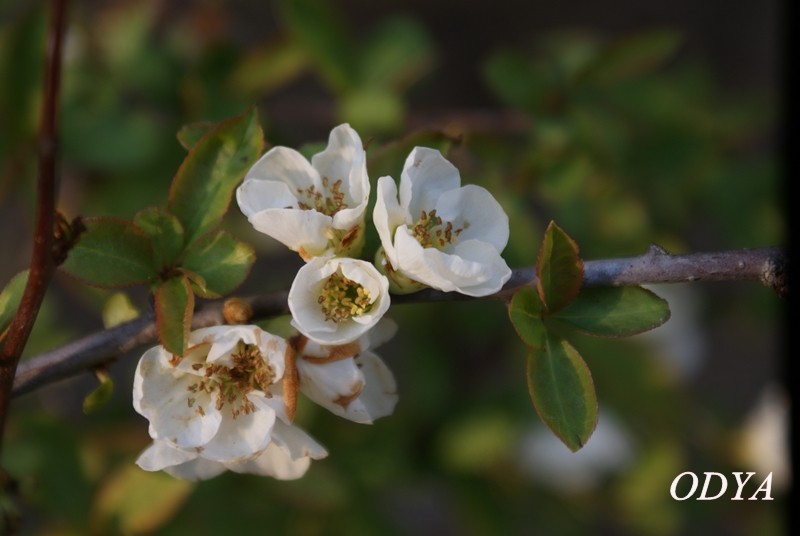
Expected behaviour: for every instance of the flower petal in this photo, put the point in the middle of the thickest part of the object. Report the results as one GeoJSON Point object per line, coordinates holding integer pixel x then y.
{"type": "Point", "coordinates": [197, 469]}
{"type": "Point", "coordinates": [360, 389]}
{"type": "Point", "coordinates": [241, 436]}
{"type": "Point", "coordinates": [296, 443]}
{"type": "Point", "coordinates": [379, 396]}
{"type": "Point", "coordinates": [382, 332]}
{"type": "Point", "coordinates": [307, 315]}
{"type": "Point", "coordinates": [163, 396]}
{"type": "Point", "coordinates": [255, 195]}
{"type": "Point", "coordinates": [296, 229]}
{"type": "Point", "coordinates": [388, 215]}
{"type": "Point", "coordinates": [344, 159]}
{"type": "Point", "coordinates": [335, 386]}
{"type": "Point", "coordinates": [473, 209]}
{"type": "Point", "coordinates": [473, 267]}
{"type": "Point", "coordinates": [285, 165]}
{"type": "Point", "coordinates": [274, 462]}
{"type": "Point", "coordinates": [426, 175]}
{"type": "Point", "coordinates": [495, 268]}
{"type": "Point", "coordinates": [365, 275]}
{"type": "Point", "coordinates": [160, 455]}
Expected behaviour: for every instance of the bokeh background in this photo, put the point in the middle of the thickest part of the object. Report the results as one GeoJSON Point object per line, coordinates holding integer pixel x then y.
{"type": "Point", "coordinates": [628, 123]}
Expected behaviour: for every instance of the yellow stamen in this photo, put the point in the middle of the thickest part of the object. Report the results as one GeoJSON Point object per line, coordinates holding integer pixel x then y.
{"type": "Point", "coordinates": [342, 299]}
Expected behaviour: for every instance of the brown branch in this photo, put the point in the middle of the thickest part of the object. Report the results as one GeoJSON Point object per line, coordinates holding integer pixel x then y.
{"type": "Point", "coordinates": [767, 265]}
{"type": "Point", "coordinates": [42, 265]}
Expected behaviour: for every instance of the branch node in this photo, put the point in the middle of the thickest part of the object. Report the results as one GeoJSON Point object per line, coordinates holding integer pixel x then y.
{"type": "Point", "coordinates": [775, 274]}
{"type": "Point", "coordinates": [655, 249]}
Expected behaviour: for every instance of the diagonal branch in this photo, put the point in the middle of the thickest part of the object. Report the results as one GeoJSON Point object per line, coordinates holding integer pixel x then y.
{"type": "Point", "coordinates": [768, 265]}
{"type": "Point", "coordinates": [42, 264]}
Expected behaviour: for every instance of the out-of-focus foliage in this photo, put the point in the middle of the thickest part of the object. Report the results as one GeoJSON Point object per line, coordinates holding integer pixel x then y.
{"type": "Point", "coordinates": [622, 142]}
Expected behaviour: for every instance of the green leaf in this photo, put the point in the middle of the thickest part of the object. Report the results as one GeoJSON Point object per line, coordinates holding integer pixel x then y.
{"type": "Point", "coordinates": [190, 134]}
{"type": "Point", "coordinates": [615, 311]}
{"type": "Point", "coordinates": [10, 298]}
{"type": "Point", "coordinates": [562, 391]}
{"type": "Point", "coordinates": [559, 268]}
{"type": "Point", "coordinates": [118, 309]}
{"type": "Point", "coordinates": [100, 396]}
{"type": "Point", "coordinates": [525, 312]}
{"type": "Point", "coordinates": [174, 308]}
{"type": "Point", "coordinates": [222, 262]}
{"type": "Point", "coordinates": [632, 56]}
{"type": "Point", "coordinates": [110, 253]}
{"type": "Point", "coordinates": [202, 188]}
{"type": "Point", "coordinates": [319, 28]}
{"type": "Point", "coordinates": [165, 232]}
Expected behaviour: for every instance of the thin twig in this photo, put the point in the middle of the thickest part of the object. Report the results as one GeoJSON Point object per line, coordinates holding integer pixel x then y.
{"type": "Point", "coordinates": [42, 265]}
{"type": "Point", "coordinates": [767, 265]}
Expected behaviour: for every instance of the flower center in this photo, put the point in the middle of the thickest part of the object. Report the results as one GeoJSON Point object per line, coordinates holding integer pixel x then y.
{"type": "Point", "coordinates": [230, 384]}
{"type": "Point", "coordinates": [329, 201]}
{"type": "Point", "coordinates": [431, 231]}
{"type": "Point", "coordinates": [341, 299]}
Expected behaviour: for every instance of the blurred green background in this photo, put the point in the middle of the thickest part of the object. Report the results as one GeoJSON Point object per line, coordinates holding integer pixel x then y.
{"type": "Point", "coordinates": [627, 123]}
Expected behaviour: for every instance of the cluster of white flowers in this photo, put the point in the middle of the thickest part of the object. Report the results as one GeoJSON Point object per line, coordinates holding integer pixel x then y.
{"type": "Point", "coordinates": [229, 402]}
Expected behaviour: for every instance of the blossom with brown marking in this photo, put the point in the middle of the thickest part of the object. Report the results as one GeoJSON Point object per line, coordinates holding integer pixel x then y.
{"type": "Point", "coordinates": [315, 208]}
{"type": "Point", "coordinates": [349, 380]}
{"type": "Point", "coordinates": [221, 407]}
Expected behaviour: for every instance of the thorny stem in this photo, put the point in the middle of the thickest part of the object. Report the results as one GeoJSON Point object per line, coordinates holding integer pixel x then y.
{"type": "Point", "coordinates": [42, 264]}
{"type": "Point", "coordinates": [767, 265]}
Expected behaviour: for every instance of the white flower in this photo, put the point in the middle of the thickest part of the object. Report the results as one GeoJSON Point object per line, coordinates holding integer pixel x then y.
{"type": "Point", "coordinates": [313, 208]}
{"type": "Point", "coordinates": [336, 300]}
{"type": "Point", "coordinates": [287, 457]}
{"type": "Point", "coordinates": [220, 407]}
{"type": "Point", "coordinates": [440, 234]}
{"type": "Point", "coordinates": [349, 380]}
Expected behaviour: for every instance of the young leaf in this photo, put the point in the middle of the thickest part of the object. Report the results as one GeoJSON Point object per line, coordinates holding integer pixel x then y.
{"type": "Point", "coordinates": [562, 391]}
{"type": "Point", "coordinates": [174, 308]}
{"type": "Point", "coordinates": [201, 190]}
{"type": "Point", "coordinates": [221, 260]}
{"type": "Point", "coordinates": [100, 396]}
{"type": "Point", "coordinates": [165, 232]}
{"type": "Point", "coordinates": [10, 298]}
{"type": "Point", "coordinates": [615, 311]}
{"type": "Point", "coordinates": [525, 312]}
{"type": "Point", "coordinates": [110, 253]}
{"type": "Point", "coordinates": [559, 268]}
{"type": "Point", "coordinates": [117, 310]}
{"type": "Point", "coordinates": [190, 134]}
